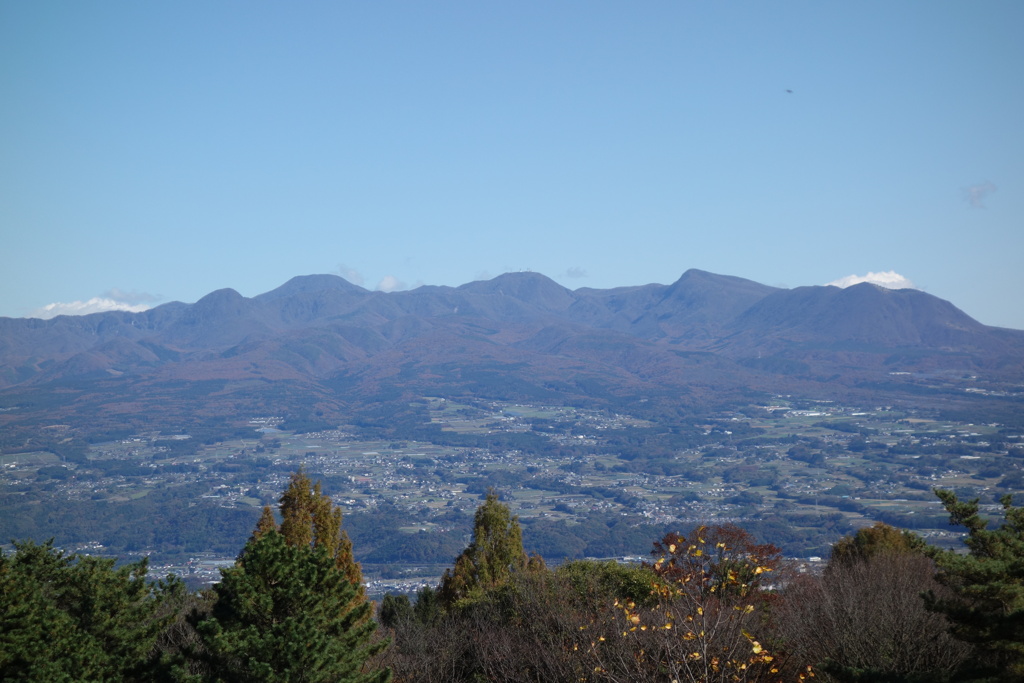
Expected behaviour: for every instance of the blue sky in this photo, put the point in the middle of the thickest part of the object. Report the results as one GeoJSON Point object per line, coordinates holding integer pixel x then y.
{"type": "Point", "coordinates": [152, 152]}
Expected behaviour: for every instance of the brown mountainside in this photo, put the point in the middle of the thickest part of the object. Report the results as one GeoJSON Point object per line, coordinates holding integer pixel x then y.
{"type": "Point", "coordinates": [519, 334]}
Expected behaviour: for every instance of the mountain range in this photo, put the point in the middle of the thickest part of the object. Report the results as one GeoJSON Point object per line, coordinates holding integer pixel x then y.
{"type": "Point", "coordinates": [319, 343]}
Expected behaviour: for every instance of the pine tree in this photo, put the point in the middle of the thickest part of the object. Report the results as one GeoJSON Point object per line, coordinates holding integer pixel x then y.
{"type": "Point", "coordinates": [988, 583]}
{"type": "Point", "coordinates": [75, 618]}
{"type": "Point", "coordinates": [494, 554]}
{"type": "Point", "coordinates": [286, 612]}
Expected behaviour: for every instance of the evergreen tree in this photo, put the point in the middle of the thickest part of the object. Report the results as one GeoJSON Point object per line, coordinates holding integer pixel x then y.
{"type": "Point", "coordinates": [395, 610]}
{"type": "Point", "coordinates": [74, 618]}
{"type": "Point", "coordinates": [286, 612]}
{"type": "Point", "coordinates": [266, 523]}
{"type": "Point", "coordinates": [427, 609]}
{"type": "Point", "coordinates": [870, 541]}
{"type": "Point", "coordinates": [494, 554]}
{"type": "Point", "coordinates": [988, 584]}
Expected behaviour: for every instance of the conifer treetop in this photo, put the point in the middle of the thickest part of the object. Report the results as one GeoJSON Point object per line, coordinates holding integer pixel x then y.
{"type": "Point", "coordinates": [310, 519]}
{"type": "Point", "coordinates": [493, 556]}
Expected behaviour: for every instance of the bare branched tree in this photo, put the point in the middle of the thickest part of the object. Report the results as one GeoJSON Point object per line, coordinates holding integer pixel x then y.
{"type": "Point", "coordinates": [866, 620]}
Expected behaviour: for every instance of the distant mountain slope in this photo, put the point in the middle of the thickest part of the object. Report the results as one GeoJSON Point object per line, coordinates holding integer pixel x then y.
{"type": "Point", "coordinates": [695, 307]}
{"type": "Point", "coordinates": [701, 336]}
{"type": "Point", "coordinates": [863, 316]}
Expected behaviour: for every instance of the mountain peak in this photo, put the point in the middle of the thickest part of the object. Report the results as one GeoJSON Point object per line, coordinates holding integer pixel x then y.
{"type": "Point", "coordinates": [521, 278]}
{"type": "Point", "coordinates": [529, 287]}
{"type": "Point", "coordinates": [694, 276]}
{"type": "Point", "coordinates": [864, 313]}
{"type": "Point", "coordinates": [219, 297]}
{"type": "Point", "coordinates": [692, 273]}
{"type": "Point", "coordinates": [302, 284]}
{"type": "Point", "coordinates": [714, 295]}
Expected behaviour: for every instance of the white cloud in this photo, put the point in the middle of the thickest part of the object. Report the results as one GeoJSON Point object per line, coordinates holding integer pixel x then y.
{"type": "Point", "coordinates": [975, 194]}
{"type": "Point", "coordinates": [94, 305]}
{"type": "Point", "coordinates": [351, 274]}
{"type": "Point", "coordinates": [390, 283]}
{"type": "Point", "coordinates": [890, 279]}
{"type": "Point", "coordinates": [132, 297]}
{"type": "Point", "coordinates": [576, 272]}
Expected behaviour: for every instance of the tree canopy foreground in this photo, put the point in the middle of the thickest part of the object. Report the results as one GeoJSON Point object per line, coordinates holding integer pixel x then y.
{"type": "Point", "coordinates": [711, 604]}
